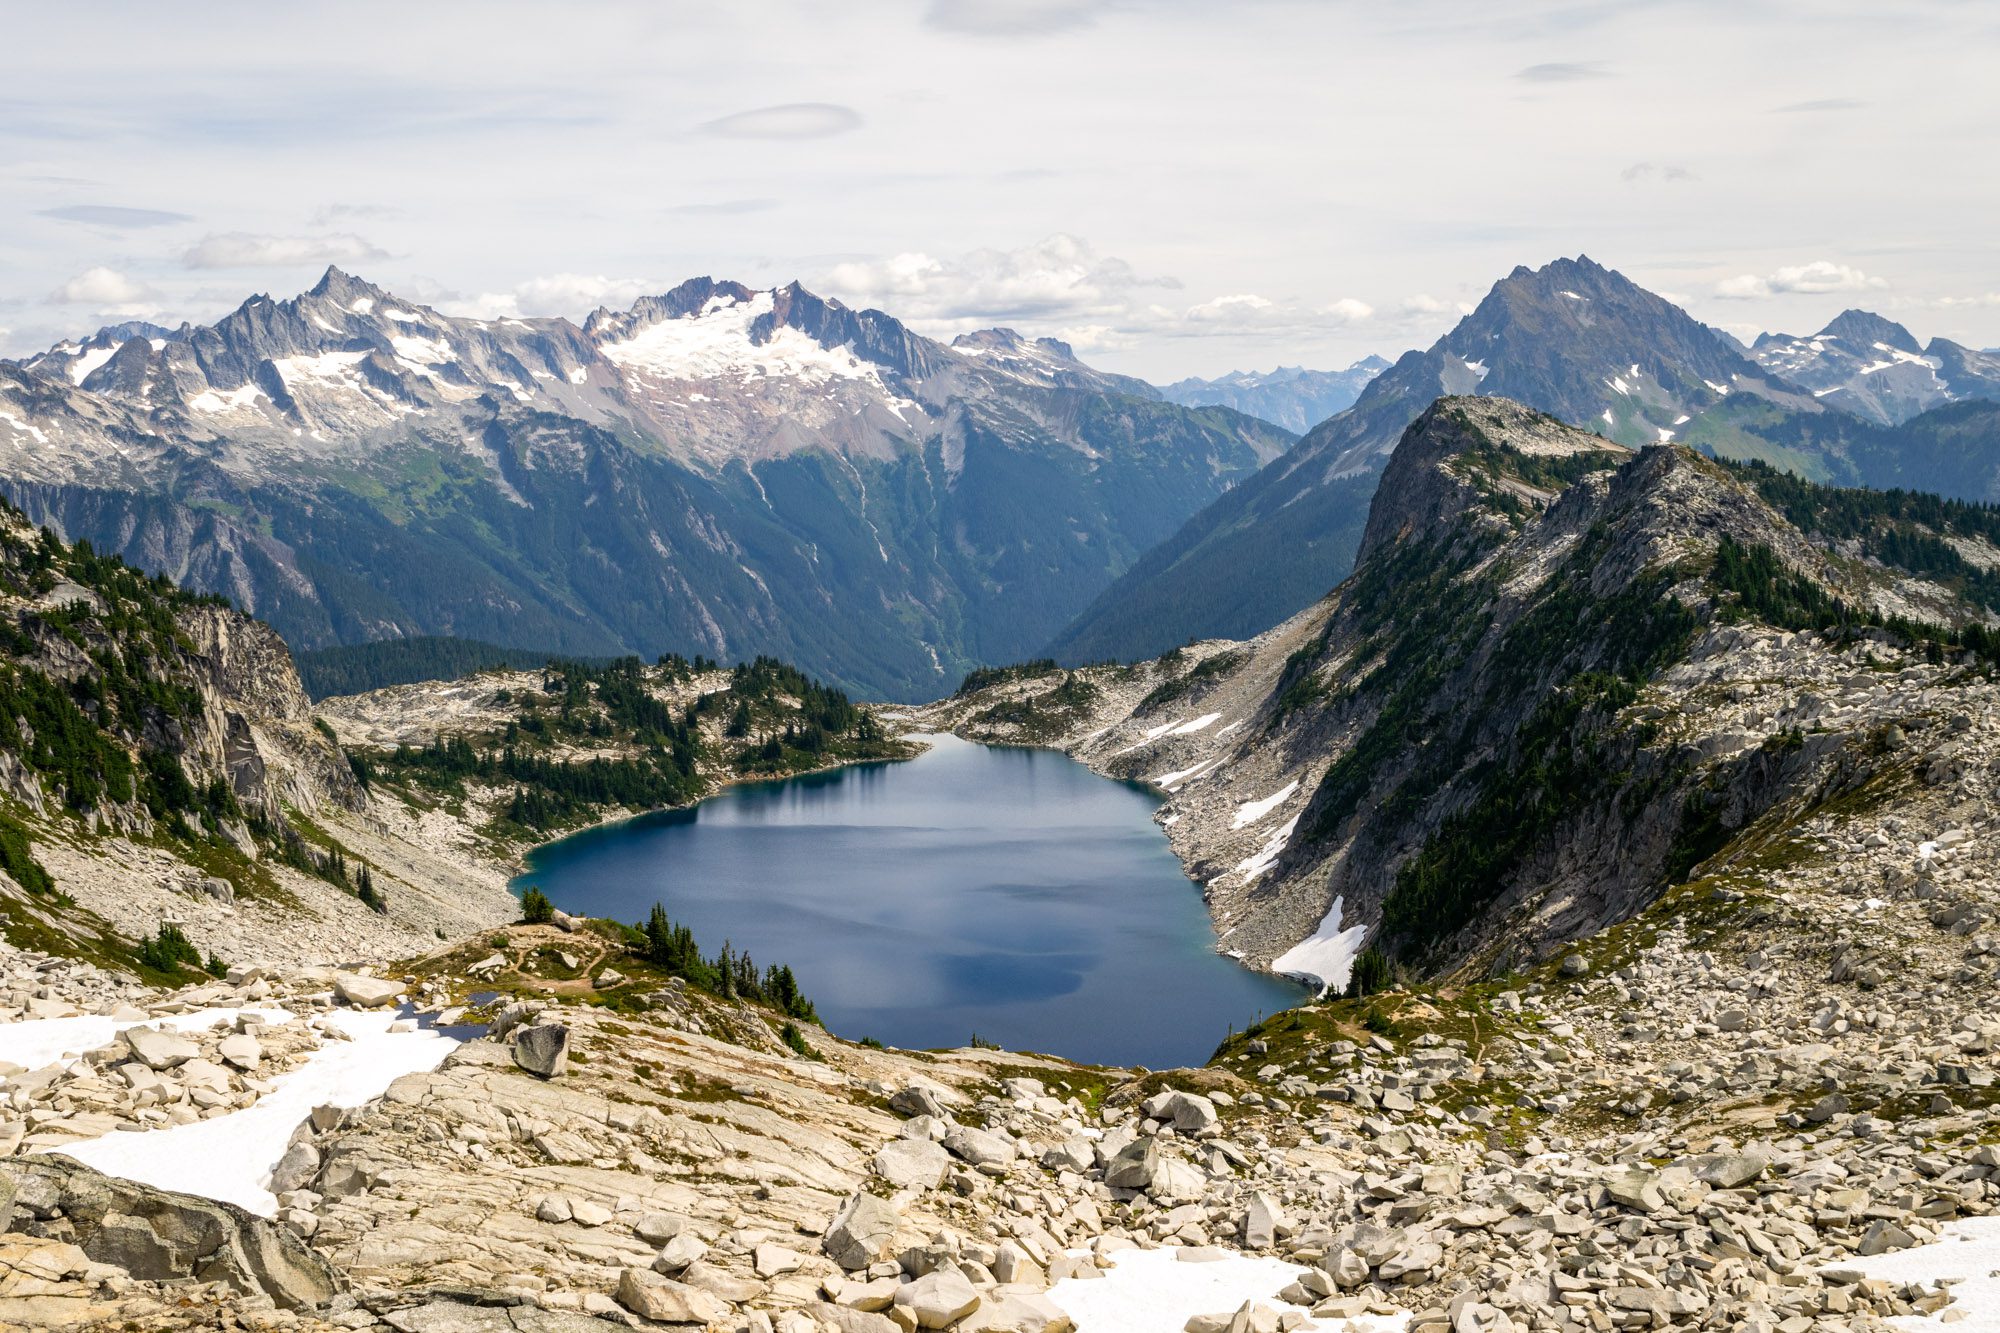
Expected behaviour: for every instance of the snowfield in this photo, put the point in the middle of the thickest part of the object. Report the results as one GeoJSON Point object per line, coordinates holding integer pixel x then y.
{"type": "Point", "coordinates": [1969, 1255]}
{"type": "Point", "coordinates": [47, 1041]}
{"type": "Point", "coordinates": [230, 1157]}
{"type": "Point", "coordinates": [1327, 955]}
{"type": "Point", "coordinates": [1158, 1291]}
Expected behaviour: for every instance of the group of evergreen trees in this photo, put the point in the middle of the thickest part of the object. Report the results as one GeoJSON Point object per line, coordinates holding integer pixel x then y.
{"type": "Point", "coordinates": [1764, 589]}
{"type": "Point", "coordinates": [729, 974]}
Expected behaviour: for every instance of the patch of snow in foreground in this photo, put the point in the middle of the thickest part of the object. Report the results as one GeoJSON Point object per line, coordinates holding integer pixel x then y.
{"type": "Point", "coordinates": [1326, 955]}
{"type": "Point", "coordinates": [230, 1157]}
{"type": "Point", "coordinates": [1251, 811]}
{"type": "Point", "coordinates": [45, 1041]}
{"type": "Point", "coordinates": [1202, 723]}
{"type": "Point", "coordinates": [1155, 1291]}
{"type": "Point", "coordinates": [1969, 1252]}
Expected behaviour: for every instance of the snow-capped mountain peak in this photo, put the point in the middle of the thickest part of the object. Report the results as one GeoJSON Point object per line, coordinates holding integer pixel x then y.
{"type": "Point", "coordinates": [1874, 367]}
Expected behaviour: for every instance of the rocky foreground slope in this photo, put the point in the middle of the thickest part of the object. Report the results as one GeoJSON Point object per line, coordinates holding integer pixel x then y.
{"type": "Point", "coordinates": [1737, 1111]}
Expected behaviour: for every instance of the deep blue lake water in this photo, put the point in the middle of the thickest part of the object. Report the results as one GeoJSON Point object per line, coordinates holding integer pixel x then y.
{"type": "Point", "coordinates": [1005, 892]}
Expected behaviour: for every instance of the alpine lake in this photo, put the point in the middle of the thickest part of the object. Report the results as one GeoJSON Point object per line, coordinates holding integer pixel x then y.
{"type": "Point", "coordinates": [1008, 894]}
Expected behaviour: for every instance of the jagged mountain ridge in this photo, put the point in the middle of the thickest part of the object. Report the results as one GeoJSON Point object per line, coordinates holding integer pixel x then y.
{"type": "Point", "coordinates": [715, 470]}
{"type": "Point", "coordinates": [1290, 396]}
{"type": "Point", "coordinates": [1875, 369]}
{"type": "Point", "coordinates": [1572, 338]}
{"type": "Point", "coordinates": [1544, 696]}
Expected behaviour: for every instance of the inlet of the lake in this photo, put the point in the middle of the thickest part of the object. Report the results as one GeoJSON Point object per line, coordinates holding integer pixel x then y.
{"type": "Point", "coordinates": [1006, 893]}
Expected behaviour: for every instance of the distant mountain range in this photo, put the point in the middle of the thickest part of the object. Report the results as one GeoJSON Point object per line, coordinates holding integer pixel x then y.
{"type": "Point", "coordinates": [1290, 396]}
{"type": "Point", "coordinates": [731, 472]}
{"type": "Point", "coordinates": [1873, 368]}
{"type": "Point", "coordinates": [716, 470]}
{"type": "Point", "coordinates": [1590, 347]}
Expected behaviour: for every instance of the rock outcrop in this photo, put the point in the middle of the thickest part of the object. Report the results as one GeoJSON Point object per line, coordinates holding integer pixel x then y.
{"type": "Point", "coordinates": [158, 1235]}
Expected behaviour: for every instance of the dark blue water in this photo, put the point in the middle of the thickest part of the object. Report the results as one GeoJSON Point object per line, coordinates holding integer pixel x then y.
{"type": "Point", "coordinates": [1009, 893]}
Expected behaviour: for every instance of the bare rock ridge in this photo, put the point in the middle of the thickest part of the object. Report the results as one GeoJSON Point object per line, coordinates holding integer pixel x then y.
{"type": "Point", "coordinates": [1564, 678]}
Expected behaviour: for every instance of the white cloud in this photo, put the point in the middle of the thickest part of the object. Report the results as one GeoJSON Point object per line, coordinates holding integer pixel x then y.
{"type": "Point", "coordinates": [1821, 104]}
{"type": "Point", "coordinates": [242, 249]}
{"type": "Point", "coordinates": [1060, 278]}
{"type": "Point", "coordinates": [1062, 286]}
{"type": "Point", "coordinates": [792, 120]}
{"type": "Point", "coordinates": [571, 294]}
{"type": "Point", "coordinates": [1564, 71]}
{"type": "Point", "coordinates": [1244, 309]}
{"type": "Point", "coordinates": [1423, 304]}
{"type": "Point", "coordinates": [1669, 172]}
{"type": "Point", "coordinates": [101, 287]}
{"type": "Point", "coordinates": [1817, 277]}
{"type": "Point", "coordinates": [1011, 18]}
{"type": "Point", "coordinates": [1982, 299]}
{"type": "Point", "coordinates": [114, 216]}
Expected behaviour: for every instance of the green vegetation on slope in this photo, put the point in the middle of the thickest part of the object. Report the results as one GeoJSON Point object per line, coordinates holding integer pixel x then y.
{"type": "Point", "coordinates": [1907, 529]}
{"type": "Point", "coordinates": [773, 718]}
{"type": "Point", "coordinates": [358, 668]}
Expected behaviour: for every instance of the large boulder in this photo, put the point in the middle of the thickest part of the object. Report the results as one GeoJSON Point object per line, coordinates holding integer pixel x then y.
{"type": "Point", "coordinates": [1187, 1112]}
{"type": "Point", "coordinates": [979, 1147]}
{"type": "Point", "coordinates": [365, 992]}
{"type": "Point", "coordinates": [1175, 1181]}
{"type": "Point", "coordinates": [159, 1235]}
{"type": "Point", "coordinates": [1133, 1167]}
{"type": "Point", "coordinates": [1728, 1171]}
{"type": "Point", "coordinates": [544, 1050]}
{"type": "Point", "coordinates": [665, 1301]}
{"type": "Point", "coordinates": [912, 1164]}
{"type": "Point", "coordinates": [921, 1097]}
{"type": "Point", "coordinates": [1261, 1219]}
{"type": "Point", "coordinates": [939, 1299]}
{"type": "Point", "coordinates": [863, 1232]}
{"type": "Point", "coordinates": [159, 1050]}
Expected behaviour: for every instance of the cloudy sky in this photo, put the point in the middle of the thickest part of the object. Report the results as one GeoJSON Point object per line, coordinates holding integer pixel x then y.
{"type": "Point", "coordinates": [1178, 187]}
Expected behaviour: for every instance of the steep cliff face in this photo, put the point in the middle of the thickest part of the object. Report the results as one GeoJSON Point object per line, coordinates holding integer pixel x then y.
{"type": "Point", "coordinates": [160, 762]}
{"type": "Point", "coordinates": [110, 675]}
{"type": "Point", "coordinates": [1564, 677]}
{"type": "Point", "coordinates": [257, 723]}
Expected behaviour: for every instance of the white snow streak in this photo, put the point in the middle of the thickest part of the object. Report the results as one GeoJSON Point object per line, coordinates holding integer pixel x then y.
{"type": "Point", "coordinates": [1202, 723]}
{"type": "Point", "coordinates": [1252, 811]}
{"type": "Point", "coordinates": [80, 369]}
{"type": "Point", "coordinates": [1267, 856]}
{"type": "Point", "coordinates": [225, 400]}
